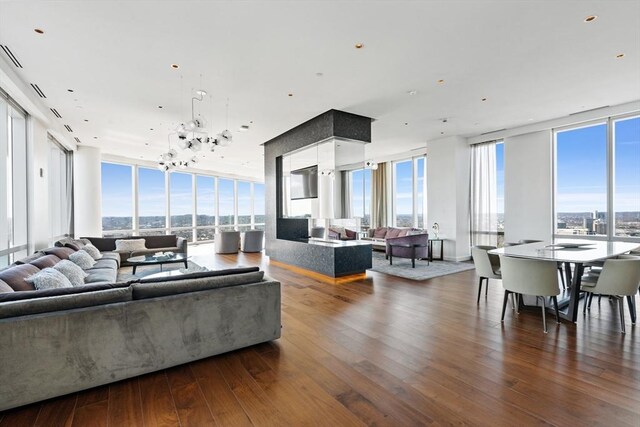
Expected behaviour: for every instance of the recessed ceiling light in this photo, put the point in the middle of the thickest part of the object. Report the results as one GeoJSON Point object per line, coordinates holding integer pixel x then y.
{"type": "Point", "coordinates": [86, 120]}
{"type": "Point", "coordinates": [150, 128]}
{"type": "Point", "coordinates": [290, 94]}
{"type": "Point", "coordinates": [413, 92]}
{"type": "Point", "coordinates": [69, 90]}
{"type": "Point", "coordinates": [38, 30]}
{"type": "Point", "coordinates": [159, 106]}
{"type": "Point", "coordinates": [95, 137]}
{"type": "Point", "coordinates": [590, 18]}
{"type": "Point", "coordinates": [359, 45]}
{"type": "Point", "coordinates": [483, 99]}
{"type": "Point", "coordinates": [620, 55]}
{"type": "Point", "coordinates": [319, 74]}
{"type": "Point", "coordinates": [175, 66]}
{"type": "Point", "coordinates": [405, 123]}
{"type": "Point", "coordinates": [146, 143]}
{"type": "Point", "coordinates": [440, 81]}
{"type": "Point", "coordinates": [441, 133]}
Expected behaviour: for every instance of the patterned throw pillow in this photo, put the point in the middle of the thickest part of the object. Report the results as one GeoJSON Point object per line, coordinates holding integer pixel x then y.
{"type": "Point", "coordinates": [380, 233]}
{"type": "Point", "coordinates": [92, 250]}
{"type": "Point", "coordinates": [130, 245]}
{"type": "Point", "coordinates": [49, 278]}
{"type": "Point", "coordinates": [71, 271]}
{"type": "Point", "coordinates": [82, 259]}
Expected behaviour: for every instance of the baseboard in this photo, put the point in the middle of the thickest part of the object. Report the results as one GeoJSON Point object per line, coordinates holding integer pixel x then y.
{"type": "Point", "coordinates": [458, 259]}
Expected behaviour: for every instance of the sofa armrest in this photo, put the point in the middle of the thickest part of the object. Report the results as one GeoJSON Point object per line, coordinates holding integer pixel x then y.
{"type": "Point", "coordinates": [182, 245]}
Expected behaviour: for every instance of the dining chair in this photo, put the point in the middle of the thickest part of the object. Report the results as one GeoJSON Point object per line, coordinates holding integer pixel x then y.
{"type": "Point", "coordinates": [560, 270]}
{"type": "Point", "coordinates": [530, 277]}
{"type": "Point", "coordinates": [487, 266]}
{"type": "Point", "coordinates": [618, 279]}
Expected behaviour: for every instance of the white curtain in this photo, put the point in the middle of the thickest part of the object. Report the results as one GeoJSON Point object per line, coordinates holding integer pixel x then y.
{"type": "Point", "coordinates": [484, 217]}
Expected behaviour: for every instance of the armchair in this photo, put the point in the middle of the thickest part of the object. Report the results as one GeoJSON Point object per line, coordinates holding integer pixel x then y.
{"type": "Point", "coordinates": [422, 252]}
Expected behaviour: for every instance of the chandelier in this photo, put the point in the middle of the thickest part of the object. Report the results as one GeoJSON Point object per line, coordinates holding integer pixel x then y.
{"type": "Point", "coordinates": [193, 137]}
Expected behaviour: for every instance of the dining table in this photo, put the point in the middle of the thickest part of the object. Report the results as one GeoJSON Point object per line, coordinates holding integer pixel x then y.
{"type": "Point", "coordinates": [576, 253]}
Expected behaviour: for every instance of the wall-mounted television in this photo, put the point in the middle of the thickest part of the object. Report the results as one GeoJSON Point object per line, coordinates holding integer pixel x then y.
{"type": "Point", "coordinates": [304, 183]}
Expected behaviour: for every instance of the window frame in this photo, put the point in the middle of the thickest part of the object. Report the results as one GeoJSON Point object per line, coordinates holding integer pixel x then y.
{"type": "Point", "coordinates": [414, 189]}
{"type": "Point", "coordinates": [610, 177]}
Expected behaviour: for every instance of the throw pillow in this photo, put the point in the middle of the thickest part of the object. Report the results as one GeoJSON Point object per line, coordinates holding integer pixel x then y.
{"type": "Point", "coordinates": [380, 233]}
{"type": "Point", "coordinates": [49, 278]}
{"type": "Point", "coordinates": [82, 259]}
{"type": "Point", "coordinates": [92, 250]}
{"type": "Point", "coordinates": [393, 232]}
{"type": "Point", "coordinates": [130, 245]}
{"type": "Point", "coordinates": [71, 271]}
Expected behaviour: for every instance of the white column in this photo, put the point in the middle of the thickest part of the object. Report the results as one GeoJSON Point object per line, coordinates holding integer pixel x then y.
{"type": "Point", "coordinates": [87, 192]}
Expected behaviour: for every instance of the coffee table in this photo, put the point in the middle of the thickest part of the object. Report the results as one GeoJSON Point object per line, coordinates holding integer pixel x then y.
{"type": "Point", "coordinates": [151, 259]}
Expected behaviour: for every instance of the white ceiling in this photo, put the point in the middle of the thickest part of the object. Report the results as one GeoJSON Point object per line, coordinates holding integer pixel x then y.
{"type": "Point", "coordinates": [532, 60]}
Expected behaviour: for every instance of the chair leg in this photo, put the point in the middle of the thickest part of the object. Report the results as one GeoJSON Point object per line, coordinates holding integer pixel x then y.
{"type": "Point", "coordinates": [504, 304]}
{"type": "Point", "coordinates": [555, 305]}
{"type": "Point", "coordinates": [591, 299]}
{"type": "Point", "coordinates": [513, 302]}
{"type": "Point", "coordinates": [586, 302]}
{"type": "Point", "coordinates": [632, 308]}
{"type": "Point", "coordinates": [564, 284]}
{"type": "Point", "coordinates": [480, 289]}
{"type": "Point", "coordinates": [544, 315]}
{"type": "Point", "coordinates": [486, 288]}
{"type": "Point", "coordinates": [621, 306]}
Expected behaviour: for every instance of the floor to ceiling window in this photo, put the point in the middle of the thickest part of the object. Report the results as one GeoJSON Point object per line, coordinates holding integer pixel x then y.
{"type": "Point", "coordinates": [598, 179]}
{"type": "Point", "coordinates": [191, 206]}
{"type": "Point", "coordinates": [60, 191]}
{"type": "Point", "coordinates": [117, 199]}
{"type": "Point", "coordinates": [152, 215]}
{"type": "Point", "coordinates": [13, 182]}
{"type": "Point", "coordinates": [409, 193]}
{"type": "Point", "coordinates": [361, 196]}
{"type": "Point", "coordinates": [487, 194]}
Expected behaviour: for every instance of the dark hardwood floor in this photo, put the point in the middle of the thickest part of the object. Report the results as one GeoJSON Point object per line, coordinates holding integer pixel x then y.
{"type": "Point", "coordinates": [383, 351]}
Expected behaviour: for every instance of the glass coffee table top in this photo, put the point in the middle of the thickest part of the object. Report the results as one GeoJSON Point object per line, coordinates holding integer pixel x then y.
{"type": "Point", "coordinates": [157, 258]}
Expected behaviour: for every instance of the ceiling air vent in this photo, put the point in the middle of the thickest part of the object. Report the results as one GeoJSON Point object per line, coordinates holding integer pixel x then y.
{"type": "Point", "coordinates": [38, 90]}
{"type": "Point", "coordinates": [77, 139]}
{"type": "Point", "coordinates": [55, 113]}
{"type": "Point", "coordinates": [67, 127]}
{"type": "Point", "coordinates": [11, 56]}
{"type": "Point", "coordinates": [586, 111]}
{"type": "Point", "coordinates": [493, 131]}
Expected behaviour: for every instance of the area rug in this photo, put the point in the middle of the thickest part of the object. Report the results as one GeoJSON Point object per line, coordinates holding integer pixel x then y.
{"type": "Point", "coordinates": [402, 267]}
{"type": "Point", "coordinates": [126, 273]}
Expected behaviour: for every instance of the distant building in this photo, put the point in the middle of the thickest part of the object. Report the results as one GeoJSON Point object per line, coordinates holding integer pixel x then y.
{"type": "Point", "coordinates": [562, 225]}
{"type": "Point", "coordinates": [600, 227]}
{"type": "Point", "coordinates": [587, 223]}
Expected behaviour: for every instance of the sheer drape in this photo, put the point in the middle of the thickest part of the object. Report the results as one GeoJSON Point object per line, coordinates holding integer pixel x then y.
{"type": "Point", "coordinates": [69, 193]}
{"type": "Point", "coordinates": [379, 196]}
{"type": "Point", "coordinates": [484, 216]}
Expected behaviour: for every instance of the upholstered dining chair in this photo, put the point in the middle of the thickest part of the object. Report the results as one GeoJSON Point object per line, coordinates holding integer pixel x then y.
{"type": "Point", "coordinates": [619, 278]}
{"type": "Point", "coordinates": [560, 270]}
{"type": "Point", "coordinates": [487, 266]}
{"type": "Point", "coordinates": [530, 277]}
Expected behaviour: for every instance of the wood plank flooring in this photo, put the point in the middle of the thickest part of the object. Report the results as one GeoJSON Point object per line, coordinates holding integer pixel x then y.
{"type": "Point", "coordinates": [383, 351]}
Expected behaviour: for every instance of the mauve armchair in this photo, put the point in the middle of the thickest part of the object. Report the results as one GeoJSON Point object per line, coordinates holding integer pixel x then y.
{"type": "Point", "coordinates": [422, 252]}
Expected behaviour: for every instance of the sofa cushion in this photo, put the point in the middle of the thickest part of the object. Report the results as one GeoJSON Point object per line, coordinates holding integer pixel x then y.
{"type": "Point", "coordinates": [93, 251]}
{"type": "Point", "coordinates": [97, 275]}
{"type": "Point", "coordinates": [16, 275]}
{"type": "Point", "coordinates": [64, 302]}
{"type": "Point", "coordinates": [5, 288]}
{"type": "Point", "coordinates": [161, 241]}
{"type": "Point", "coordinates": [23, 295]}
{"type": "Point", "coordinates": [130, 245]}
{"type": "Point", "coordinates": [62, 253]}
{"type": "Point", "coordinates": [380, 233]}
{"type": "Point", "coordinates": [112, 255]}
{"type": "Point", "coordinates": [403, 232]}
{"type": "Point", "coordinates": [30, 258]}
{"type": "Point", "coordinates": [194, 282]}
{"type": "Point", "coordinates": [104, 263]}
{"type": "Point", "coordinates": [68, 242]}
{"type": "Point", "coordinates": [45, 261]}
{"type": "Point", "coordinates": [49, 278]}
{"type": "Point", "coordinates": [393, 232]}
{"type": "Point", "coordinates": [349, 234]}
{"type": "Point", "coordinates": [71, 271]}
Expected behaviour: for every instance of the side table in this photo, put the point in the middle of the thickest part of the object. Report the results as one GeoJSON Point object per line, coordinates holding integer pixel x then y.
{"type": "Point", "coordinates": [441, 240]}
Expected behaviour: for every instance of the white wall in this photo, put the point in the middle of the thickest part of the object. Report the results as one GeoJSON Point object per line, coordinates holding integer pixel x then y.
{"type": "Point", "coordinates": [39, 224]}
{"type": "Point", "coordinates": [528, 189]}
{"type": "Point", "coordinates": [87, 192]}
{"type": "Point", "coordinates": [448, 193]}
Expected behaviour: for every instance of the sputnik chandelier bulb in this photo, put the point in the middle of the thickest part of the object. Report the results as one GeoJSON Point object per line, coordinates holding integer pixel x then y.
{"type": "Point", "coordinates": [193, 136]}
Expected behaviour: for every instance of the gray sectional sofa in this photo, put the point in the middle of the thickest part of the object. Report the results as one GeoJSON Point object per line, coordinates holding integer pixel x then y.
{"type": "Point", "coordinates": [59, 341]}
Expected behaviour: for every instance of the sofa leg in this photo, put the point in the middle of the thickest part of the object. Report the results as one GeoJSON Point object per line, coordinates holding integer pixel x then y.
{"type": "Point", "coordinates": [185, 264]}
